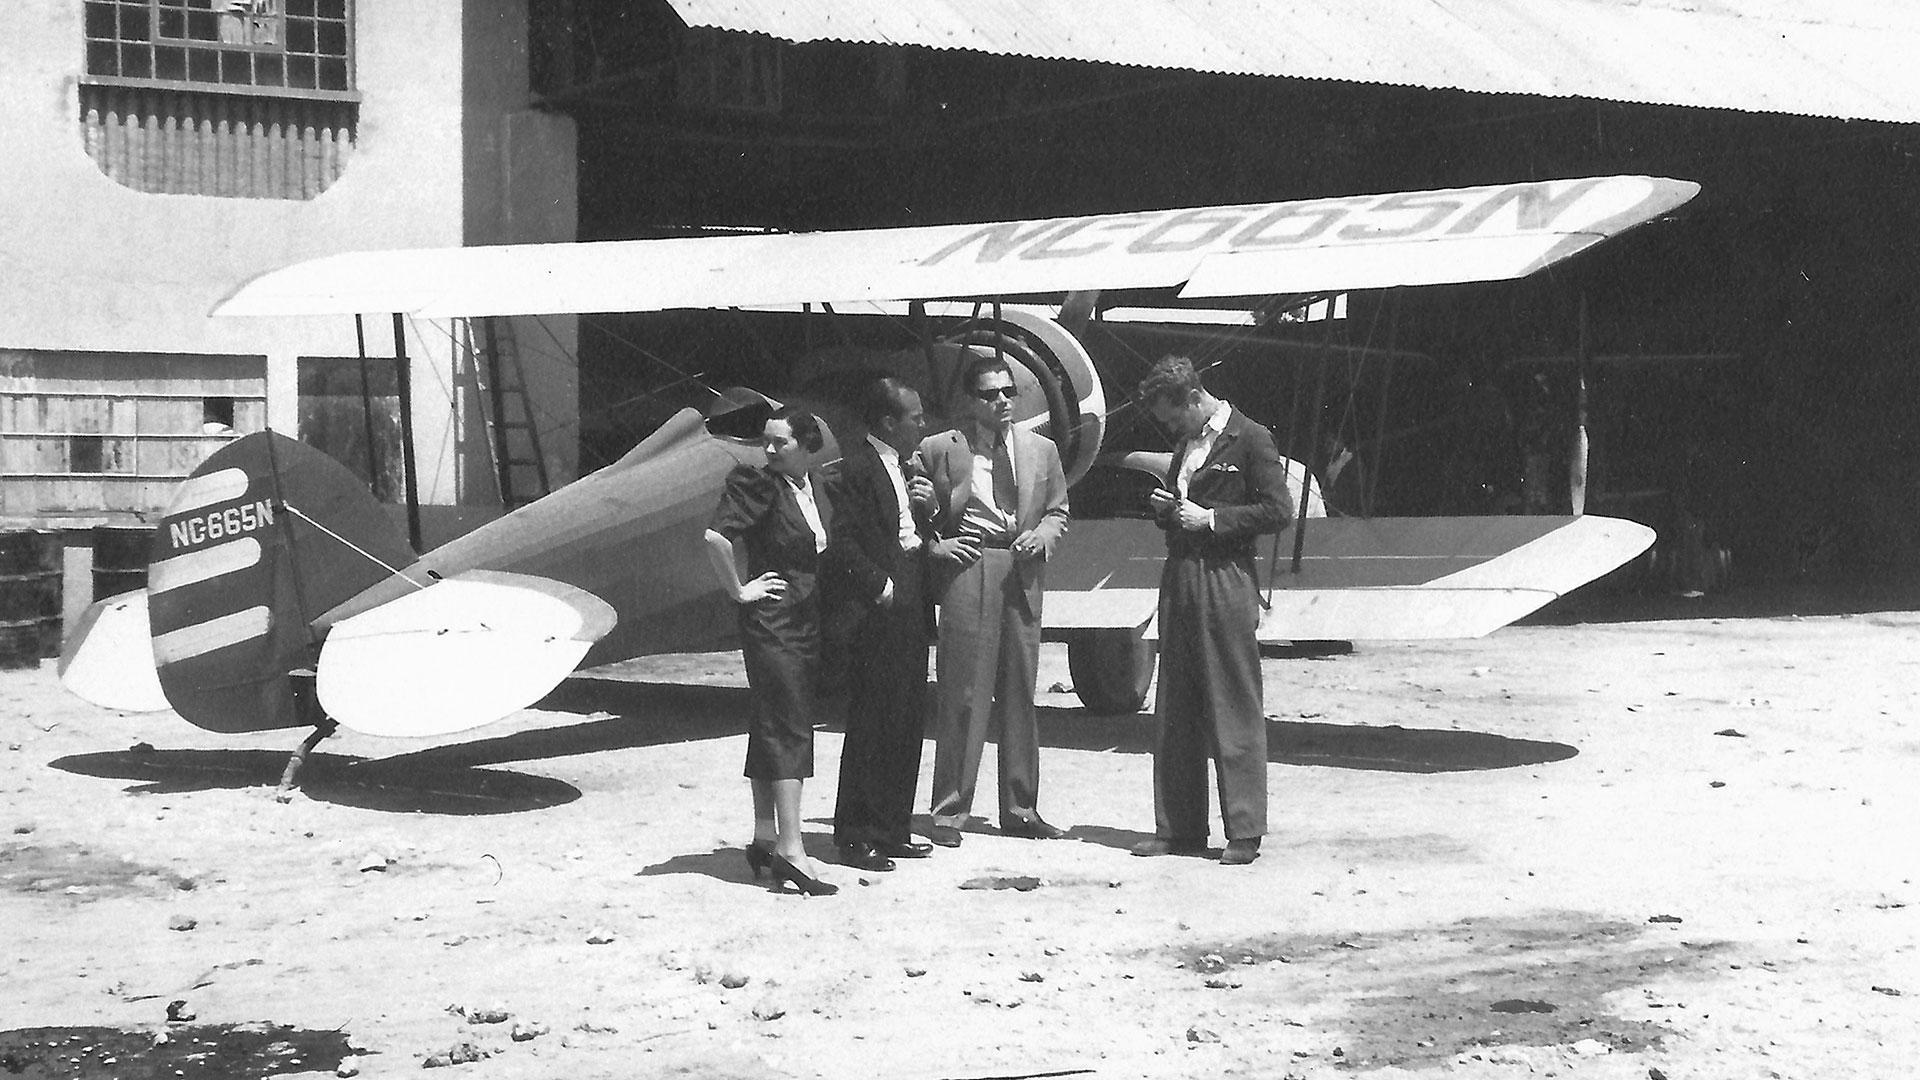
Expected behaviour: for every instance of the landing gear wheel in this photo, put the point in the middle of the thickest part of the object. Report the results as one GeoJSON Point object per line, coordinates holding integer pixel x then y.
{"type": "Point", "coordinates": [1111, 669]}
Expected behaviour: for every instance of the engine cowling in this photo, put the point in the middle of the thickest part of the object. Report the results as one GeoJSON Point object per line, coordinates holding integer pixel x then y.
{"type": "Point", "coordinates": [1060, 394]}
{"type": "Point", "coordinates": [1060, 383]}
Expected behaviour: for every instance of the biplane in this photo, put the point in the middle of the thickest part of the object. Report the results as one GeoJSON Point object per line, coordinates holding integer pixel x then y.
{"type": "Point", "coordinates": [273, 558]}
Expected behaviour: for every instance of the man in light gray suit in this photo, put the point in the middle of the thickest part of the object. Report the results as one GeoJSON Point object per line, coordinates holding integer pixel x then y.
{"type": "Point", "coordinates": [1000, 505]}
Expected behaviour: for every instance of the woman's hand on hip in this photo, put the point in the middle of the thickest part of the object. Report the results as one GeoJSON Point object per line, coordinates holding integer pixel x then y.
{"type": "Point", "coordinates": [768, 586]}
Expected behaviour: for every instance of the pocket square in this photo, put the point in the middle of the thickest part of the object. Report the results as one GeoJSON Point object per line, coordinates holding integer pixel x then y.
{"type": "Point", "coordinates": [1223, 466]}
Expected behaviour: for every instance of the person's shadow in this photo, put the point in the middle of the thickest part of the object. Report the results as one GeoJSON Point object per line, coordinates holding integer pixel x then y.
{"type": "Point", "coordinates": [1390, 748]}
{"type": "Point", "coordinates": [730, 864]}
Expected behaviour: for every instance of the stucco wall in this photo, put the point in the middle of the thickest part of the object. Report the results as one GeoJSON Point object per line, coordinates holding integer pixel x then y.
{"type": "Point", "coordinates": [86, 264]}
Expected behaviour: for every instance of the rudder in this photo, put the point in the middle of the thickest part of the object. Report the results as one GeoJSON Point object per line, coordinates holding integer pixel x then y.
{"type": "Point", "coordinates": [239, 569]}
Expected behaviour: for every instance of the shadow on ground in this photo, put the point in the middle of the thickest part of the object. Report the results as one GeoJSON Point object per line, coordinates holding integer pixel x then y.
{"type": "Point", "coordinates": [730, 863]}
{"type": "Point", "coordinates": [654, 714]}
{"type": "Point", "coordinates": [1339, 746]}
{"type": "Point", "coordinates": [237, 1051]}
{"type": "Point", "coordinates": [396, 785]}
{"type": "Point", "coordinates": [1517, 991]}
{"type": "Point", "coordinates": [1600, 603]}
{"type": "Point", "coordinates": [643, 714]}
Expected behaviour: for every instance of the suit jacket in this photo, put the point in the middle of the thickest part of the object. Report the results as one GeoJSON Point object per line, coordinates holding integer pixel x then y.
{"type": "Point", "coordinates": [1242, 481]}
{"type": "Point", "coordinates": [1039, 482]}
{"type": "Point", "coordinates": [864, 549]}
{"type": "Point", "coordinates": [760, 509]}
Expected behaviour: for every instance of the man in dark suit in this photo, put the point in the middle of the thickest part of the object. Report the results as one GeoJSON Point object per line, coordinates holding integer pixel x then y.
{"type": "Point", "coordinates": [1000, 501]}
{"type": "Point", "coordinates": [882, 507]}
{"type": "Point", "coordinates": [1225, 487]}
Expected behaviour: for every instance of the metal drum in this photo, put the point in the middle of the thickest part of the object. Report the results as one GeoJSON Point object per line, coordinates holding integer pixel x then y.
{"type": "Point", "coordinates": [120, 558]}
{"type": "Point", "coordinates": [29, 597]}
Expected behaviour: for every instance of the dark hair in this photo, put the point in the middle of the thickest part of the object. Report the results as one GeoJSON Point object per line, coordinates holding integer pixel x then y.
{"type": "Point", "coordinates": [980, 363]}
{"type": "Point", "coordinates": [1172, 379]}
{"type": "Point", "coordinates": [882, 399]}
{"type": "Point", "coordinates": [805, 425]}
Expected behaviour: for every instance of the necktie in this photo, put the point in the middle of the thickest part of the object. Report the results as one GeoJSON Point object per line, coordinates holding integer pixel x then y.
{"type": "Point", "coordinates": [1004, 493]}
{"type": "Point", "coordinates": [910, 469]}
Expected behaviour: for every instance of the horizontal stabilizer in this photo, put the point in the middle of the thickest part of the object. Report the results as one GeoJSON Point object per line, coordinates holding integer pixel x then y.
{"type": "Point", "coordinates": [459, 653]}
{"type": "Point", "coordinates": [108, 658]}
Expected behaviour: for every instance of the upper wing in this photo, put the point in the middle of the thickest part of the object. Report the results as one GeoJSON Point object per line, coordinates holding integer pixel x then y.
{"type": "Point", "coordinates": [1314, 245]}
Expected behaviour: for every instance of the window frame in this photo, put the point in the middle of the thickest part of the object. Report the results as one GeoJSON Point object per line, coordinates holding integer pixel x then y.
{"type": "Point", "coordinates": [154, 41]}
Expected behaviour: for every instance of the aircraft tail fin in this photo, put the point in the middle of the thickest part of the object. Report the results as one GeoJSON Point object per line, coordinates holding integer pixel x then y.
{"type": "Point", "coordinates": [265, 535]}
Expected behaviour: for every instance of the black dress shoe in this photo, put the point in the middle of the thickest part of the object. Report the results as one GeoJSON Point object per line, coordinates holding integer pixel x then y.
{"type": "Point", "coordinates": [784, 871]}
{"type": "Point", "coordinates": [903, 850]}
{"type": "Point", "coordinates": [1161, 845]}
{"type": "Point", "coordinates": [1032, 829]}
{"type": "Point", "coordinates": [945, 835]}
{"type": "Point", "coordinates": [1240, 852]}
{"type": "Point", "coordinates": [864, 857]}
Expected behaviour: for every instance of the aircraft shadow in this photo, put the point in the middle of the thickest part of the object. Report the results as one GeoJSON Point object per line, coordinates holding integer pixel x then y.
{"type": "Point", "coordinates": [1337, 746]}
{"type": "Point", "coordinates": [644, 714]}
{"type": "Point", "coordinates": [656, 714]}
{"type": "Point", "coordinates": [388, 784]}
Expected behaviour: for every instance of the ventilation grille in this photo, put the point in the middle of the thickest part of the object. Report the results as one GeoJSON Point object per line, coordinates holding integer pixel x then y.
{"type": "Point", "coordinates": [236, 146]}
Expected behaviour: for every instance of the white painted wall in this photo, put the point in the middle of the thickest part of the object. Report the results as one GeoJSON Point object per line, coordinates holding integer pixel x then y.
{"type": "Point", "coordinates": [86, 264]}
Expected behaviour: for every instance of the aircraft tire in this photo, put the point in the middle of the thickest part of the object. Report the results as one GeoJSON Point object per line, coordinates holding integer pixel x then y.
{"type": "Point", "coordinates": [1111, 668]}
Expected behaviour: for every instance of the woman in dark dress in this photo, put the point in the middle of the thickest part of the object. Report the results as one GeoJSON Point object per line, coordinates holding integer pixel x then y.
{"type": "Point", "coordinates": [777, 516]}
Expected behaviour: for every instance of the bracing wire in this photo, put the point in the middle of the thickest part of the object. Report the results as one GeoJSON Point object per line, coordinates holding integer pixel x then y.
{"type": "Point", "coordinates": [377, 560]}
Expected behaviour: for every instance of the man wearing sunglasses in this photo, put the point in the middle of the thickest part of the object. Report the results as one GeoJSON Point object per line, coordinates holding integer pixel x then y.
{"type": "Point", "coordinates": [1000, 504]}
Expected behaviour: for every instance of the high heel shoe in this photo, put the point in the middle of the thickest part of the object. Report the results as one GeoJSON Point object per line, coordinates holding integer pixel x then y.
{"type": "Point", "coordinates": [784, 871]}
{"type": "Point", "coordinates": [759, 852]}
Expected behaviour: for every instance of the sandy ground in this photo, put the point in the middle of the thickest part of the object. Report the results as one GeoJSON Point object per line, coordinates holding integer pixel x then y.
{"type": "Point", "coordinates": [1638, 849]}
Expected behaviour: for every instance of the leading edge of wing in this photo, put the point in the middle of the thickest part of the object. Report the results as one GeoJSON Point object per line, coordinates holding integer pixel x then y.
{"type": "Point", "coordinates": [1256, 249]}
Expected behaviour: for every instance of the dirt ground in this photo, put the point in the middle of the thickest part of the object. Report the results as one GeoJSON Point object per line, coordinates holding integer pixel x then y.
{"type": "Point", "coordinates": [1670, 848]}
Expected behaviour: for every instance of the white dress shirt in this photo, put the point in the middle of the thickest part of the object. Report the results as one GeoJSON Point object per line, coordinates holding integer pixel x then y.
{"type": "Point", "coordinates": [889, 457]}
{"type": "Point", "coordinates": [809, 509]}
{"type": "Point", "coordinates": [1199, 448]}
{"type": "Point", "coordinates": [986, 516]}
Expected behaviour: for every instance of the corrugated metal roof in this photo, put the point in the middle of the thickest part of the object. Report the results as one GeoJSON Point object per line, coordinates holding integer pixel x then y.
{"type": "Point", "coordinates": [1839, 58]}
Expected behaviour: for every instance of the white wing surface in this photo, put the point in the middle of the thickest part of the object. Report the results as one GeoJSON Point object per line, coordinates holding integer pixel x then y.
{"type": "Point", "coordinates": [460, 653]}
{"type": "Point", "coordinates": [1260, 249]}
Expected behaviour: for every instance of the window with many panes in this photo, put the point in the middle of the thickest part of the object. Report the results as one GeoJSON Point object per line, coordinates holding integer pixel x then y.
{"type": "Point", "coordinates": [261, 46]}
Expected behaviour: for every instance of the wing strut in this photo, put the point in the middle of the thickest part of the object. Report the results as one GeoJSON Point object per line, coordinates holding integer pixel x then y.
{"type": "Point", "coordinates": [405, 379]}
{"type": "Point", "coordinates": [1377, 466]}
{"type": "Point", "coordinates": [922, 329]}
{"type": "Point", "coordinates": [1577, 462]}
{"type": "Point", "coordinates": [366, 404]}
{"type": "Point", "coordinates": [1314, 409]}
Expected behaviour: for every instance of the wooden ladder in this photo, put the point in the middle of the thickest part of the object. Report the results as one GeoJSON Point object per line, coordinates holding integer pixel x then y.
{"type": "Point", "coordinates": [513, 438]}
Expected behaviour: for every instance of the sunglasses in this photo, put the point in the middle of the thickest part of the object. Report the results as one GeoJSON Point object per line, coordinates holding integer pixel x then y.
{"type": "Point", "coordinates": [992, 393]}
